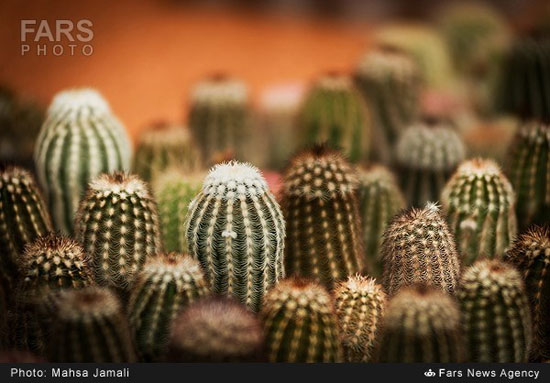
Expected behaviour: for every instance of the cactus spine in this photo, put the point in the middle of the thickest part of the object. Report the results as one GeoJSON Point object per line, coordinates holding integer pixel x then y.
{"type": "Point", "coordinates": [80, 139]}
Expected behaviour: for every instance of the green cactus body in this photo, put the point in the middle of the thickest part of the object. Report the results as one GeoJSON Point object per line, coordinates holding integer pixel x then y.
{"type": "Point", "coordinates": [419, 248]}
{"type": "Point", "coordinates": [360, 305]}
{"type": "Point", "coordinates": [80, 139]}
{"type": "Point", "coordinates": [300, 324]}
{"type": "Point", "coordinates": [321, 210]}
{"type": "Point", "coordinates": [421, 325]}
{"type": "Point", "coordinates": [334, 113]}
{"type": "Point", "coordinates": [426, 156]}
{"type": "Point", "coordinates": [480, 207]}
{"type": "Point", "coordinates": [117, 223]}
{"type": "Point", "coordinates": [90, 326]}
{"type": "Point", "coordinates": [495, 313]}
{"type": "Point", "coordinates": [167, 283]}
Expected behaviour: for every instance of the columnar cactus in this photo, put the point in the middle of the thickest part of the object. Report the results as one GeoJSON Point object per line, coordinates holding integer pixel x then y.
{"type": "Point", "coordinates": [334, 112]}
{"type": "Point", "coordinates": [426, 156]}
{"type": "Point", "coordinates": [321, 210]}
{"type": "Point", "coordinates": [167, 283]}
{"type": "Point", "coordinates": [118, 226]}
{"type": "Point", "coordinates": [216, 330]}
{"type": "Point", "coordinates": [80, 139]}
{"type": "Point", "coordinates": [90, 326]}
{"type": "Point", "coordinates": [419, 248]}
{"type": "Point", "coordinates": [360, 305]}
{"type": "Point", "coordinates": [479, 203]}
{"type": "Point", "coordinates": [421, 325]}
{"type": "Point", "coordinates": [530, 253]}
{"type": "Point", "coordinates": [300, 324]}
{"type": "Point", "coordinates": [236, 230]}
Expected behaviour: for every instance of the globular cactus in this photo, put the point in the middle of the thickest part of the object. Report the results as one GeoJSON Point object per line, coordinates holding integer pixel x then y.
{"type": "Point", "coordinates": [320, 206]}
{"type": "Point", "coordinates": [530, 253]}
{"type": "Point", "coordinates": [300, 324]}
{"type": "Point", "coordinates": [421, 325]}
{"type": "Point", "coordinates": [80, 139]}
{"type": "Point", "coordinates": [117, 223]}
{"type": "Point", "coordinates": [236, 230]}
{"type": "Point", "coordinates": [426, 155]}
{"type": "Point", "coordinates": [360, 304]}
{"type": "Point", "coordinates": [216, 330]}
{"type": "Point", "coordinates": [479, 203]}
{"type": "Point", "coordinates": [333, 112]}
{"type": "Point", "coordinates": [495, 313]}
{"type": "Point", "coordinates": [90, 327]}
{"type": "Point", "coordinates": [167, 283]}
{"type": "Point", "coordinates": [419, 248]}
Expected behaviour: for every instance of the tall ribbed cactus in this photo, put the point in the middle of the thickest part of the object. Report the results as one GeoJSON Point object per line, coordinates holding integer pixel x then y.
{"type": "Point", "coordinates": [334, 112]}
{"type": "Point", "coordinates": [80, 139]}
{"type": "Point", "coordinates": [530, 253]}
{"type": "Point", "coordinates": [479, 203]}
{"type": "Point", "coordinates": [360, 305]}
{"type": "Point", "coordinates": [236, 230]}
{"type": "Point", "coordinates": [421, 325]}
{"type": "Point", "coordinates": [495, 313]}
{"type": "Point", "coordinates": [321, 210]}
{"type": "Point", "coordinates": [167, 283]}
{"type": "Point", "coordinates": [300, 324]}
{"type": "Point", "coordinates": [426, 156]}
{"type": "Point", "coordinates": [118, 226]}
{"type": "Point", "coordinates": [419, 248]}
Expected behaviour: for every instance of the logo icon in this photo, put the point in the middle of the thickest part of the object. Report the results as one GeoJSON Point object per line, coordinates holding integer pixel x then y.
{"type": "Point", "coordinates": [429, 373]}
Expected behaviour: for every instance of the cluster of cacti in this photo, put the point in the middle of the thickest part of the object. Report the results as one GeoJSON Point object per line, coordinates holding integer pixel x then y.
{"type": "Point", "coordinates": [479, 203]}
{"type": "Point", "coordinates": [80, 139]}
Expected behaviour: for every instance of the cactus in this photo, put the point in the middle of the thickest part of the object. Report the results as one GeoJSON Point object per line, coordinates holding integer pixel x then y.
{"type": "Point", "coordinates": [490, 139]}
{"type": "Point", "coordinates": [426, 156]}
{"type": "Point", "coordinates": [419, 248]}
{"type": "Point", "coordinates": [90, 326]}
{"type": "Point", "coordinates": [421, 325]}
{"type": "Point", "coordinates": [236, 230]}
{"type": "Point", "coordinates": [360, 305]}
{"type": "Point", "coordinates": [530, 253]}
{"type": "Point", "coordinates": [18, 356]}
{"type": "Point", "coordinates": [480, 206]}
{"type": "Point", "coordinates": [300, 324]}
{"type": "Point", "coordinates": [495, 313]}
{"type": "Point", "coordinates": [80, 139]}
{"type": "Point", "coordinates": [321, 210]}
{"type": "Point", "coordinates": [167, 283]}
{"type": "Point", "coordinates": [118, 226]}
{"type": "Point", "coordinates": [4, 318]}
{"type": "Point", "coordinates": [390, 82]}
{"type": "Point", "coordinates": [216, 330]}
{"type": "Point", "coordinates": [334, 112]}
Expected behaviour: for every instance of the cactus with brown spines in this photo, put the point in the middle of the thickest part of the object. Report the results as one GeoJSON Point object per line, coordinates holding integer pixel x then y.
{"type": "Point", "coordinates": [421, 324]}
{"type": "Point", "coordinates": [360, 304]}
{"type": "Point", "coordinates": [479, 203]}
{"type": "Point", "coordinates": [495, 313]}
{"type": "Point", "coordinates": [418, 247]}
{"type": "Point", "coordinates": [216, 330]}
{"type": "Point", "coordinates": [300, 323]}
{"type": "Point", "coordinates": [530, 254]}
{"type": "Point", "coordinates": [167, 283]}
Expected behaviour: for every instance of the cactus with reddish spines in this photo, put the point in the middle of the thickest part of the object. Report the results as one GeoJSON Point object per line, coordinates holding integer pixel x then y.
{"type": "Point", "coordinates": [418, 247]}
{"type": "Point", "coordinates": [479, 203]}
{"type": "Point", "coordinates": [300, 323]}
{"type": "Point", "coordinates": [167, 283]}
{"type": "Point", "coordinates": [495, 313]}
{"type": "Point", "coordinates": [360, 304]}
{"type": "Point", "coordinates": [421, 324]}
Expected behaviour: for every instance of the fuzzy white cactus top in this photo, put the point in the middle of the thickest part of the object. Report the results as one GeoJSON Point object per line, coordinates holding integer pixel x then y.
{"type": "Point", "coordinates": [234, 180]}
{"type": "Point", "coordinates": [382, 63]}
{"type": "Point", "coordinates": [172, 267]}
{"type": "Point", "coordinates": [488, 277]}
{"type": "Point", "coordinates": [299, 295]}
{"type": "Point", "coordinates": [359, 285]}
{"type": "Point", "coordinates": [119, 184]}
{"type": "Point", "coordinates": [87, 303]}
{"type": "Point", "coordinates": [79, 100]}
{"type": "Point", "coordinates": [334, 82]}
{"type": "Point", "coordinates": [220, 91]}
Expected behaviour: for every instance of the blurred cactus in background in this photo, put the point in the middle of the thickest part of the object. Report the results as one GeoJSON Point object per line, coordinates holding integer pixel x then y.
{"type": "Point", "coordinates": [17, 356]}
{"type": "Point", "coordinates": [490, 139]}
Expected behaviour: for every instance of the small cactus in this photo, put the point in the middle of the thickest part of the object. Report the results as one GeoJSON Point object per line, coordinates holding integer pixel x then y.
{"type": "Point", "coordinates": [360, 305]}
{"type": "Point", "coordinates": [495, 313]}
{"type": "Point", "coordinates": [300, 324]}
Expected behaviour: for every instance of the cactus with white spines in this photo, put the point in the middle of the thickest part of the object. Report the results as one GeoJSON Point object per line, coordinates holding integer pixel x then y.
{"type": "Point", "coordinates": [479, 203]}
{"type": "Point", "coordinates": [80, 139]}
{"type": "Point", "coordinates": [236, 230]}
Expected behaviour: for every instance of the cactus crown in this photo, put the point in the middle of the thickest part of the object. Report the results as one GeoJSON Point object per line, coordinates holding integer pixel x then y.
{"type": "Point", "coordinates": [380, 176]}
{"type": "Point", "coordinates": [530, 245]}
{"type": "Point", "coordinates": [220, 90]}
{"type": "Point", "coordinates": [76, 101]}
{"type": "Point", "coordinates": [166, 136]}
{"type": "Point", "coordinates": [234, 180]}
{"type": "Point", "coordinates": [299, 295]}
{"type": "Point", "coordinates": [90, 302]}
{"type": "Point", "coordinates": [172, 267]}
{"type": "Point", "coordinates": [387, 61]}
{"type": "Point", "coordinates": [119, 184]}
